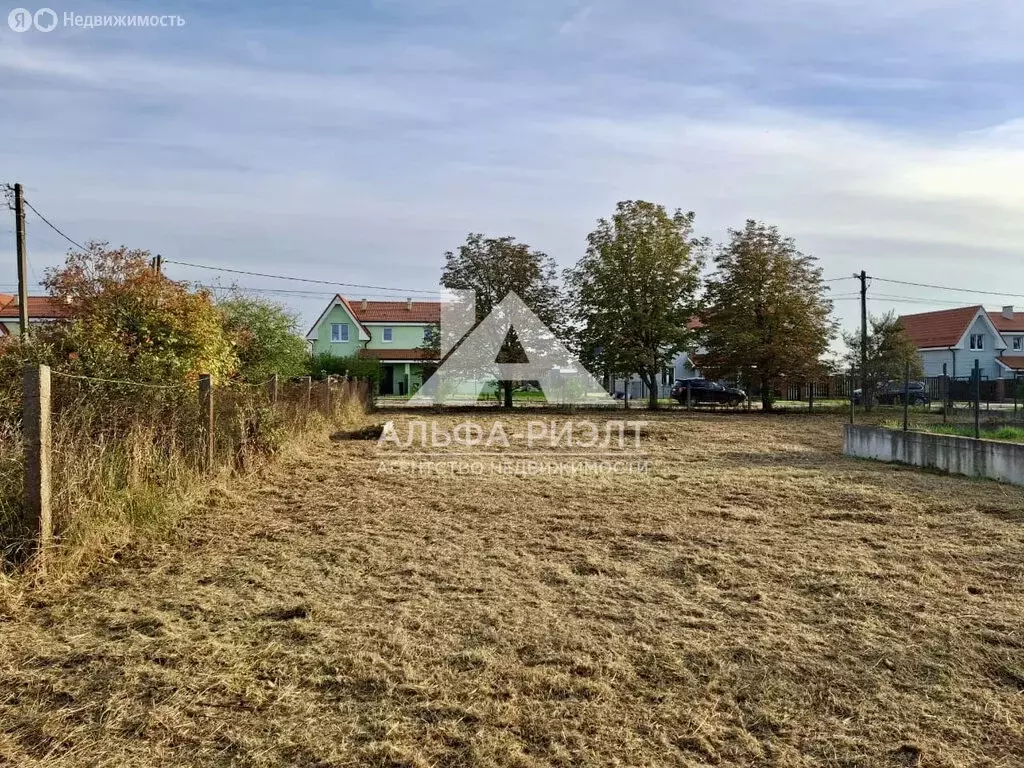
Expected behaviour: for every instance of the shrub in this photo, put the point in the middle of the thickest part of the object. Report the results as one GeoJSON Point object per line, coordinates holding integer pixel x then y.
{"type": "Point", "coordinates": [325, 364]}
{"type": "Point", "coordinates": [266, 338]}
{"type": "Point", "coordinates": [127, 321]}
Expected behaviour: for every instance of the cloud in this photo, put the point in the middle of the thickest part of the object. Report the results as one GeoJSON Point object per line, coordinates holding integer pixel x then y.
{"type": "Point", "coordinates": [362, 151]}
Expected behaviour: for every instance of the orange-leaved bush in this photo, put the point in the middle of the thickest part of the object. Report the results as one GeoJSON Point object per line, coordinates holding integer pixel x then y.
{"type": "Point", "coordinates": [125, 320]}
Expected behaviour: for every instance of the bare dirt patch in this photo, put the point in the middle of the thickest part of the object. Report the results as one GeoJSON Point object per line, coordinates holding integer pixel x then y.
{"type": "Point", "coordinates": [754, 599]}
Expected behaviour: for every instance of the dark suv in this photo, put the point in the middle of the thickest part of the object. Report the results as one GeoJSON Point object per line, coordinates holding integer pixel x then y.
{"type": "Point", "coordinates": [894, 393]}
{"type": "Point", "coordinates": [704, 391]}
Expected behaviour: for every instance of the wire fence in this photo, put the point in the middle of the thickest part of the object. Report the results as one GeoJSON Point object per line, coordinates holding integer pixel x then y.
{"type": "Point", "coordinates": [959, 392]}
{"type": "Point", "coordinates": [86, 457]}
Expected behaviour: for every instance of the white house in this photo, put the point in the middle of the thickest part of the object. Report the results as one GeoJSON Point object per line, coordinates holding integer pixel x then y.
{"type": "Point", "coordinates": [683, 367]}
{"type": "Point", "coordinates": [957, 338]}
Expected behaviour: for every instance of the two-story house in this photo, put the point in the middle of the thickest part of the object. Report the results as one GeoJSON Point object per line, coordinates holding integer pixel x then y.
{"type": "Point", "coordinates": [957, 338]}
{"type": "Point", "coordinates": [397, 333]}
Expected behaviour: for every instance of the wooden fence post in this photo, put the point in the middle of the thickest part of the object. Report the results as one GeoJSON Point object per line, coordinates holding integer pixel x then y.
{"type": "Point", "coordinates": [206, 419]}
{"type": "Point", "coordinates": [36, 430]}
{"type": "Point", "coordinates": [330, 396]}
{"type": "Point", "coordinates": [272, 390]}
{"type": "Point", "coordinates": [810, 397]}
{"type": "Point", "coordinates": [309, 392]}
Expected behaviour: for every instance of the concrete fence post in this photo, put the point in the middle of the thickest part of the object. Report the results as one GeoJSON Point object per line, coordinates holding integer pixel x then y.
{"type": "Point", "coordinates": [36, 431]}
{"type": "Point", "coordinates": [206, 420]}
{"type": "Point", "coordinates": [272, 385]}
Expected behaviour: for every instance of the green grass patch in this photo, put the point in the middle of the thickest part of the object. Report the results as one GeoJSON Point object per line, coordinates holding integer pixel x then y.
{"type": "Point", "coordinates": [1009, 434]}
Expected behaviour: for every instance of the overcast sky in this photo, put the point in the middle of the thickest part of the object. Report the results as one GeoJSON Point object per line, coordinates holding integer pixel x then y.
{"type": "Point", "coordinates": [357, 144]}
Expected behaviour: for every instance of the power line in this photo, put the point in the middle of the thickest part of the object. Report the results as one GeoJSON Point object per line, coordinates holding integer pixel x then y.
{"type": "Point", "coordinates": [290, 292]}
{"type": "Point", "coordinates": [54, 228]}
{"type": "Point", "coordinates": [298, 279]}
{"type": "Point", "coordinates": [398, 291]}
{"type": "Point", "coordinates": [898, 299]}
{"type": "Point", "coordinates": [242, 271]}
{"type": "Point", "coordinates": [948, 288]}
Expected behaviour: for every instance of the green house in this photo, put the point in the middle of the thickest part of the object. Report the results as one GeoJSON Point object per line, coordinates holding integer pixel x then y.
{"type": "Point", "coordinates": [393, 332]}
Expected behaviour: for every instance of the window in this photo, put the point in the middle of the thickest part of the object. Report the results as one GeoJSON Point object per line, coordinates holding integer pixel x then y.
{"type": "Point", "coordinates": [339, 331]}
{"type": "Point", "coordinates": [388, 335]}
{"type": "Point", "coordinates": [1018, 342]}
{"type": "Point", "coordinates": [977, 341]}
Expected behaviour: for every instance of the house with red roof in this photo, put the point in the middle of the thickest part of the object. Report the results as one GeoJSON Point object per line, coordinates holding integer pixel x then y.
{"type": "Point", "coordinates": [41, 309]}
{"type": "Point", "coordinates": [957, 338]}
{"type": "Point", "coordinates": [394, 332]}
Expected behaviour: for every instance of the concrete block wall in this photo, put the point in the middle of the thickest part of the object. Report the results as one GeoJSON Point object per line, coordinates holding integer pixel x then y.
{"type": "Point", "coordinates": [957, 455]}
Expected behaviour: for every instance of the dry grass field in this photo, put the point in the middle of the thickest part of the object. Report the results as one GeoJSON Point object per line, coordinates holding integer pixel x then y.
{"type": "Point", "coordinates": [755, 599]}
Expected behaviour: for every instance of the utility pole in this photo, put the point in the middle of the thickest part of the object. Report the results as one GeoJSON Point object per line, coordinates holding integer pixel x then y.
{"type": "Point", "coordinates": [19, 225]}
{"type": "Point", "coordinates": [157, 263]}
{"type": "Point", "coordinates": [866, 394]}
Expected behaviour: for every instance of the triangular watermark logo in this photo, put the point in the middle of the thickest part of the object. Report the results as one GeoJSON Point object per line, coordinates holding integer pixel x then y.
{"type": "Point", "coordinates": [471, 356]}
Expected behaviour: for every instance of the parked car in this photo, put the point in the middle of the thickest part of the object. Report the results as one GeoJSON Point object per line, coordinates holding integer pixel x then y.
{"type": "Point", "coordinates": [893, 393]}
{"type": "Point", "coordinates": [704, 391]}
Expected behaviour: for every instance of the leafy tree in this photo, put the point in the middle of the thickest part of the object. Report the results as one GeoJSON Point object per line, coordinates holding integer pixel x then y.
{"type": "Point", "coordinates": [266, 338]}
{"type": "Point", "coordinates": [635, 290]}
{"type": "Point", "coordinates": [127, 321]}
{"type": "Point", "coordinates": [890, 351]}
{"type": "Point", "coordinates": [493, 267]}
{"type": "Point", "coordinates": [766, 314]}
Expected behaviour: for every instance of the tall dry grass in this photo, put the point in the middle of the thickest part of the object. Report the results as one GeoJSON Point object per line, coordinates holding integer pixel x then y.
{"type": "Point", "coordinates": [128, 460]}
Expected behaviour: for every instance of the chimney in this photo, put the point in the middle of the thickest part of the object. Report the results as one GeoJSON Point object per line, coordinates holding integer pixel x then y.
{"type": "Point", "coordinates": [408, 304]}
{"type": "Point", "coordinates": [364, 305]}
{"type": "Point", "coordinates": [1008, 312]}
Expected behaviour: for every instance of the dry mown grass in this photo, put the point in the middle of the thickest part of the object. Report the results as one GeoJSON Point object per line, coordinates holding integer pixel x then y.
{"type": "Point", "coordinates": [757, 599]}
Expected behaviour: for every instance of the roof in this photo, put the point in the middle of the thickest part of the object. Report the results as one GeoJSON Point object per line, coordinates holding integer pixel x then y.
{"type": "Point", "coordinates": [397, 354]}
{"type": "Point", "coordinates": [1005, 324]}
{"type": "Point", "coordinates": [39, 307]}
{"type": "Point", "coordinates": [381, 312]}
{"type": "Point", "coordinates": [396, 311]}
{"type": "Point", "coordinates": [1014, 363]}
{"type": "Point", "coordinates": [944, 328]}
{"type": "Point", "coordinates": [5, 299]}
{"type": "Point", "coordinates": [694, 324]}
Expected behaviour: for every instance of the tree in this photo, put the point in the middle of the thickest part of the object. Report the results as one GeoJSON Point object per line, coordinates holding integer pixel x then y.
{"type": "Point", "coordinates": [890, 350]}
{"type": "Point", "coordinates": [766, 316]}
{"type": "Point", "coordinates": [635, 290]}
{"type": "Point", "coordinates": [128, 321]}
{"type": "Point", "coordinates": [493, 267]}
{"type": "Point", "coordinates": [266, 338]}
